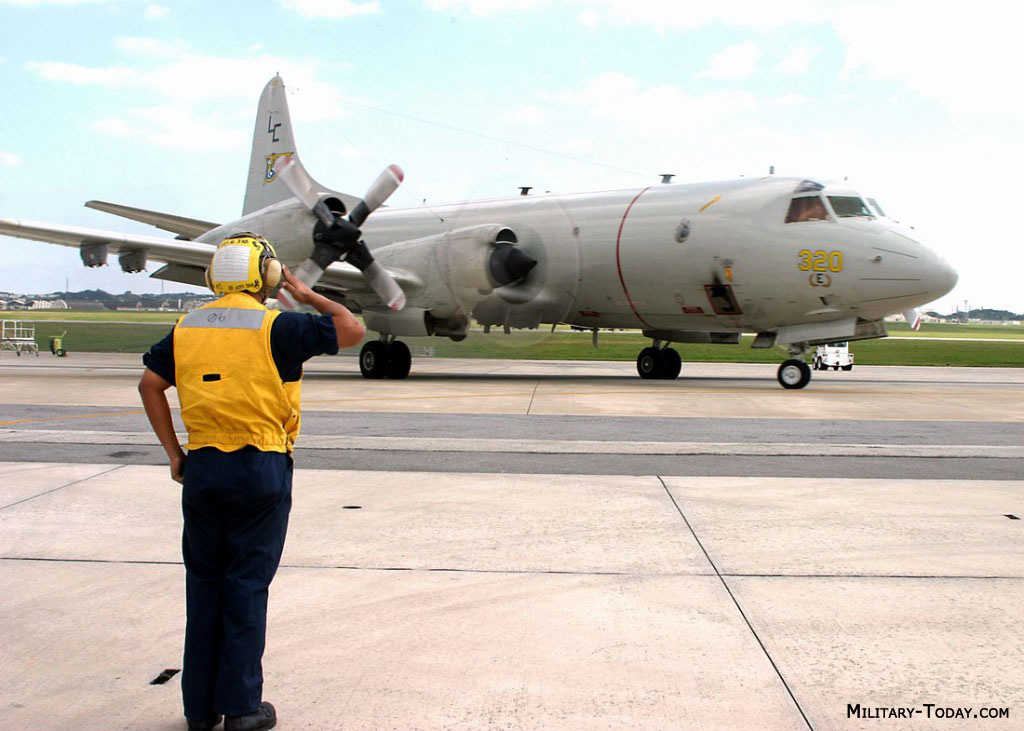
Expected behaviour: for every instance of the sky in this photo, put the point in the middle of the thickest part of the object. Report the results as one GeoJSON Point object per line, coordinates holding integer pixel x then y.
{"type": "Point", "coordinates": [152, 105]}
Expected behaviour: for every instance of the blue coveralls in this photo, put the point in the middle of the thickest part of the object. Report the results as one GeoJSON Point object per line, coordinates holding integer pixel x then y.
{"type": "Point", "coordinates": [235, 507]}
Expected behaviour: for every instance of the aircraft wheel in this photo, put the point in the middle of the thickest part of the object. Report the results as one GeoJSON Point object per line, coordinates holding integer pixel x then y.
{"type": "Point", "coordinates": [399, 360]}
{"type": "Point", "coordinates": [649, 363]}
{"type": "Point", "coordinates": [794, 373]}
{"type": "Point", "coordinates": [671, 363]}
{"type": "Point", "coordinates": [373, 359]}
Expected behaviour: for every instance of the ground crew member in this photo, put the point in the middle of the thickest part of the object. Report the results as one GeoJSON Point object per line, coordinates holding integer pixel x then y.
{"type": "Point", "coordinates": [238, 368]}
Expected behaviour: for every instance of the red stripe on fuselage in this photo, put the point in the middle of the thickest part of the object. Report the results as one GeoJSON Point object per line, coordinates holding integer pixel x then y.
{"type": "Point", "coordinates": [618, 258]}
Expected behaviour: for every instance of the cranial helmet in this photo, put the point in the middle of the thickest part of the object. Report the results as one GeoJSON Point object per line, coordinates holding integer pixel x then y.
{"type": "Point", "coordinates": [244, 262]}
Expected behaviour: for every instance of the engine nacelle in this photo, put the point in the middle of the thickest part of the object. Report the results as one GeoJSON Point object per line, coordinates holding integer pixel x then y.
{"type": "Point", "coordinates": [459, 268]}
{"type": "Point", "coordinates": [132, 261]}
{"type": "Point", "coordinates": [410, 322]}
{"type": "Point", "coordinates": [94, 255]}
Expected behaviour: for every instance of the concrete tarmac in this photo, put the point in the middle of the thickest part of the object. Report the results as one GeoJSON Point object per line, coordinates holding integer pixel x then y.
{"type": "Point", "coordinates": [536, 545]}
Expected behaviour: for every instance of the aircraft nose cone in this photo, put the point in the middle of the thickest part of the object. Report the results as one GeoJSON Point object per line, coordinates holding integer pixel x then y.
{"type": "Point", "coordinates": [940, 278]}
{"type": "Point", "coordinates": [508, 264]}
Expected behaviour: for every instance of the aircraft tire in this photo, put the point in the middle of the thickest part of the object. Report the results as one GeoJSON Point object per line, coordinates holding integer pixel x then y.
{"type": "Point", "coordinates": [373, 359]}
{"type": "Point", "coordinates": [399, 360]}
{"type": "Point", "coordinates": [671, 364]}
{"type": "Point", "coordinates": [649, 364]}
{"type": "Point", "coordinates": [794, 373]}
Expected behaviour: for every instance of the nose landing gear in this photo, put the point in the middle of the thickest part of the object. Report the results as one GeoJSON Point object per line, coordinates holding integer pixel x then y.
{"type": "Point", "coordinates": [794, 372]}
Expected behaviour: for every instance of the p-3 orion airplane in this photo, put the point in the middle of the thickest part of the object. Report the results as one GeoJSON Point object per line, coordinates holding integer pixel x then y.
{"type": "Point", "coordinates": [798, 262]}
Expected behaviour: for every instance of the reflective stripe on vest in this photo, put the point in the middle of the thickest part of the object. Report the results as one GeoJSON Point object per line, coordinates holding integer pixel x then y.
{"type": "Point", "coordinates": [224, 317]}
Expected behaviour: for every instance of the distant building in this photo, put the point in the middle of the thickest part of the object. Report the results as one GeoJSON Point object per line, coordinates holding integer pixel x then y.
{"type": "Point", "coordinates": [55, 304]}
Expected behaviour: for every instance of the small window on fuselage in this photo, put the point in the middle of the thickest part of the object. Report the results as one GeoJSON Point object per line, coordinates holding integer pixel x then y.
{"type": "Point", "coordinates": [849, 206]}
{"type": "Point", "coordinates": [806, 208]}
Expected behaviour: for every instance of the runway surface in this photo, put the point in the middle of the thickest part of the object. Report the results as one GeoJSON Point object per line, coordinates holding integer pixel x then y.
{"type": "Point", "coordinates": [509, 544]}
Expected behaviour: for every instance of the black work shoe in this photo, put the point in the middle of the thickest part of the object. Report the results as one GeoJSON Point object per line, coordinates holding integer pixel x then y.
{"type": "Point", "coordinates": [208, 725]}
{"type": "Point", "coordinates": [263, 718]}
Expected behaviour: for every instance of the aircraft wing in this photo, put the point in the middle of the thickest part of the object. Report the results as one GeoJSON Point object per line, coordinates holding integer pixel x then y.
{"type": "Point", "coordinates": [172, 251]}
{"type": "Point", "coordinates": [190, 228]}
{"type": "Point", "coordinates": [186, 260]}
{"type": "Point", "coordinates": [345, 278]}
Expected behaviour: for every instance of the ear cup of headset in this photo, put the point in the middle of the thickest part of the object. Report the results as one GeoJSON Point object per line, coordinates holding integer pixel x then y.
{"type": "Point", "coordinates": [271, 272]}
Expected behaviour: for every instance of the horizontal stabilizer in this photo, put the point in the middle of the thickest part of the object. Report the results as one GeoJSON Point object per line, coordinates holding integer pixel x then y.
{"type": "Point", "coordinates": [190, 228]}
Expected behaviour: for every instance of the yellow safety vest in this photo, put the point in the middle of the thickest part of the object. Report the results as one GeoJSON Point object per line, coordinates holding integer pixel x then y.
{"type": "Point", "coordinates": [230, 390]}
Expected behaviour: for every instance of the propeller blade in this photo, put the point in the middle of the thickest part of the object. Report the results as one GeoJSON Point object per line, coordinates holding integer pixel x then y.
{"type": "Point", "coordinates": [385, 184]}
{"type": "Point", "coordinates": [310, 271]}
{"type": "Point", "coordinates": [302, 187]}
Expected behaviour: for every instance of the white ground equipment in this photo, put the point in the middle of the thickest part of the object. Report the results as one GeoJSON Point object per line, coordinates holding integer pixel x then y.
{"type": "Point", "coordinates": [18, 336]}
{"type": "Point", "coordinates": [834, 356]}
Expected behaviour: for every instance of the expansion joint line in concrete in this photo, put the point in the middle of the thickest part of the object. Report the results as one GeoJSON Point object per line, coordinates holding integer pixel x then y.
{"type": "Point", "coordinates": [739, 608]}
{"type": "Point", "coordinates": [61, 487]}
{"type": "Point", "coordinates": [532, 397]}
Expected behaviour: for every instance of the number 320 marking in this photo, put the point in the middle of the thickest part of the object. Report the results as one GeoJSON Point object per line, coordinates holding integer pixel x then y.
{"type": "Point", "coordinates": [820, 261]}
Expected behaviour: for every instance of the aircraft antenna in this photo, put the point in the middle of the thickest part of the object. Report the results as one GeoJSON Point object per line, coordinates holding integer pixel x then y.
{"type": "Point", "coordinates": [492, 138]}
{"type": "Point", "coordinates": [666, 178]}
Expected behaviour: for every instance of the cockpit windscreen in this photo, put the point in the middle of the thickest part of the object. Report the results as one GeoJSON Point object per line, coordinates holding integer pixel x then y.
{"type": "Point", "coordinates": [848, 206]}
{"type": "Point", "coordinates": [806, 208]}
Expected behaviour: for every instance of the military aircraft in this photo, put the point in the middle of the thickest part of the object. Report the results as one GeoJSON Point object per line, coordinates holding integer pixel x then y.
{"type": "Point", "coordinates": [799, 262]}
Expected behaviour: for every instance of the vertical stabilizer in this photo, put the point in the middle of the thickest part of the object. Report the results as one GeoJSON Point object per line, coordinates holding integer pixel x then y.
{"type": "Point", "coordinates": [272, 140]}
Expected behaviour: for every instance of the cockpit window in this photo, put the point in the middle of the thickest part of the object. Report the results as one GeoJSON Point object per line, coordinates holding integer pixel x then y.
{"type": "Point", "coordinates": [878, 209]}
{"type": "Point", "coordinates": [848, 206]}
{"type": "Point", "coordinates": [806, 208]}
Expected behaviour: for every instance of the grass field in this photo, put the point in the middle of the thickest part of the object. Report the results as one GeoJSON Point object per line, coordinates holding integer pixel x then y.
{"type": "Point", "coordinates": [131, 332]}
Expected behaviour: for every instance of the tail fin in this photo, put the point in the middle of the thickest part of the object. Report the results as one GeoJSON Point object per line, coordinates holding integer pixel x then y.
{"type": "Point", "coordinates": [272, 139]}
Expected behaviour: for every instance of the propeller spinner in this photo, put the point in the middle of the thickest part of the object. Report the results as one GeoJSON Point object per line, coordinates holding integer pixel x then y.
{"type": "Point", "coordinates": [337, 239]}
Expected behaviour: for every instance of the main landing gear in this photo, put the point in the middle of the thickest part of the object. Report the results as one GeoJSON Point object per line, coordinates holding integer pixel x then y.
{"type": "Point", "coordinates": [385, 358]}
{"type": "Point", "coordinates": [655, 362]}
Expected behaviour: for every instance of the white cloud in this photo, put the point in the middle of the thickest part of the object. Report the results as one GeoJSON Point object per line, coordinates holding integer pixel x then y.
{"type": "Point", "coordinates": [663, 15]}
{"type": "Point", "coordinates": [9, 159]}
{"type": "Point", "coordinates": [157, 12]}
{"type": "Point", "coordinates": [798, 59]}
{"type": "Point", "coordinates": [202, 92]}
{"type": "Point", "coordinates": [589, 18]}
{"type": "Point", "coordinates": [528, 115]}
{"type": "Point", "coordinates": [660, 110]}
{"type": "Point", "coordinates": [34, 3]}
{"type": "Point", "coordinates": [484, 8]}
{"type": "Point", "coordinates": [73, 73]}
{"type": "Point", "coordinates": [788, 100]}
{"type": "Point", "coordinates": [966, 57]}
{"type": "Point", "coordinates": [331, 8]}
{"type": "Point", "coordinates": [734, 62]}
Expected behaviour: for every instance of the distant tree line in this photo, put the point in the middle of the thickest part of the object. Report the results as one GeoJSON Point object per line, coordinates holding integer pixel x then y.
{"type": "Point", "coordinates": [979, 314]}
